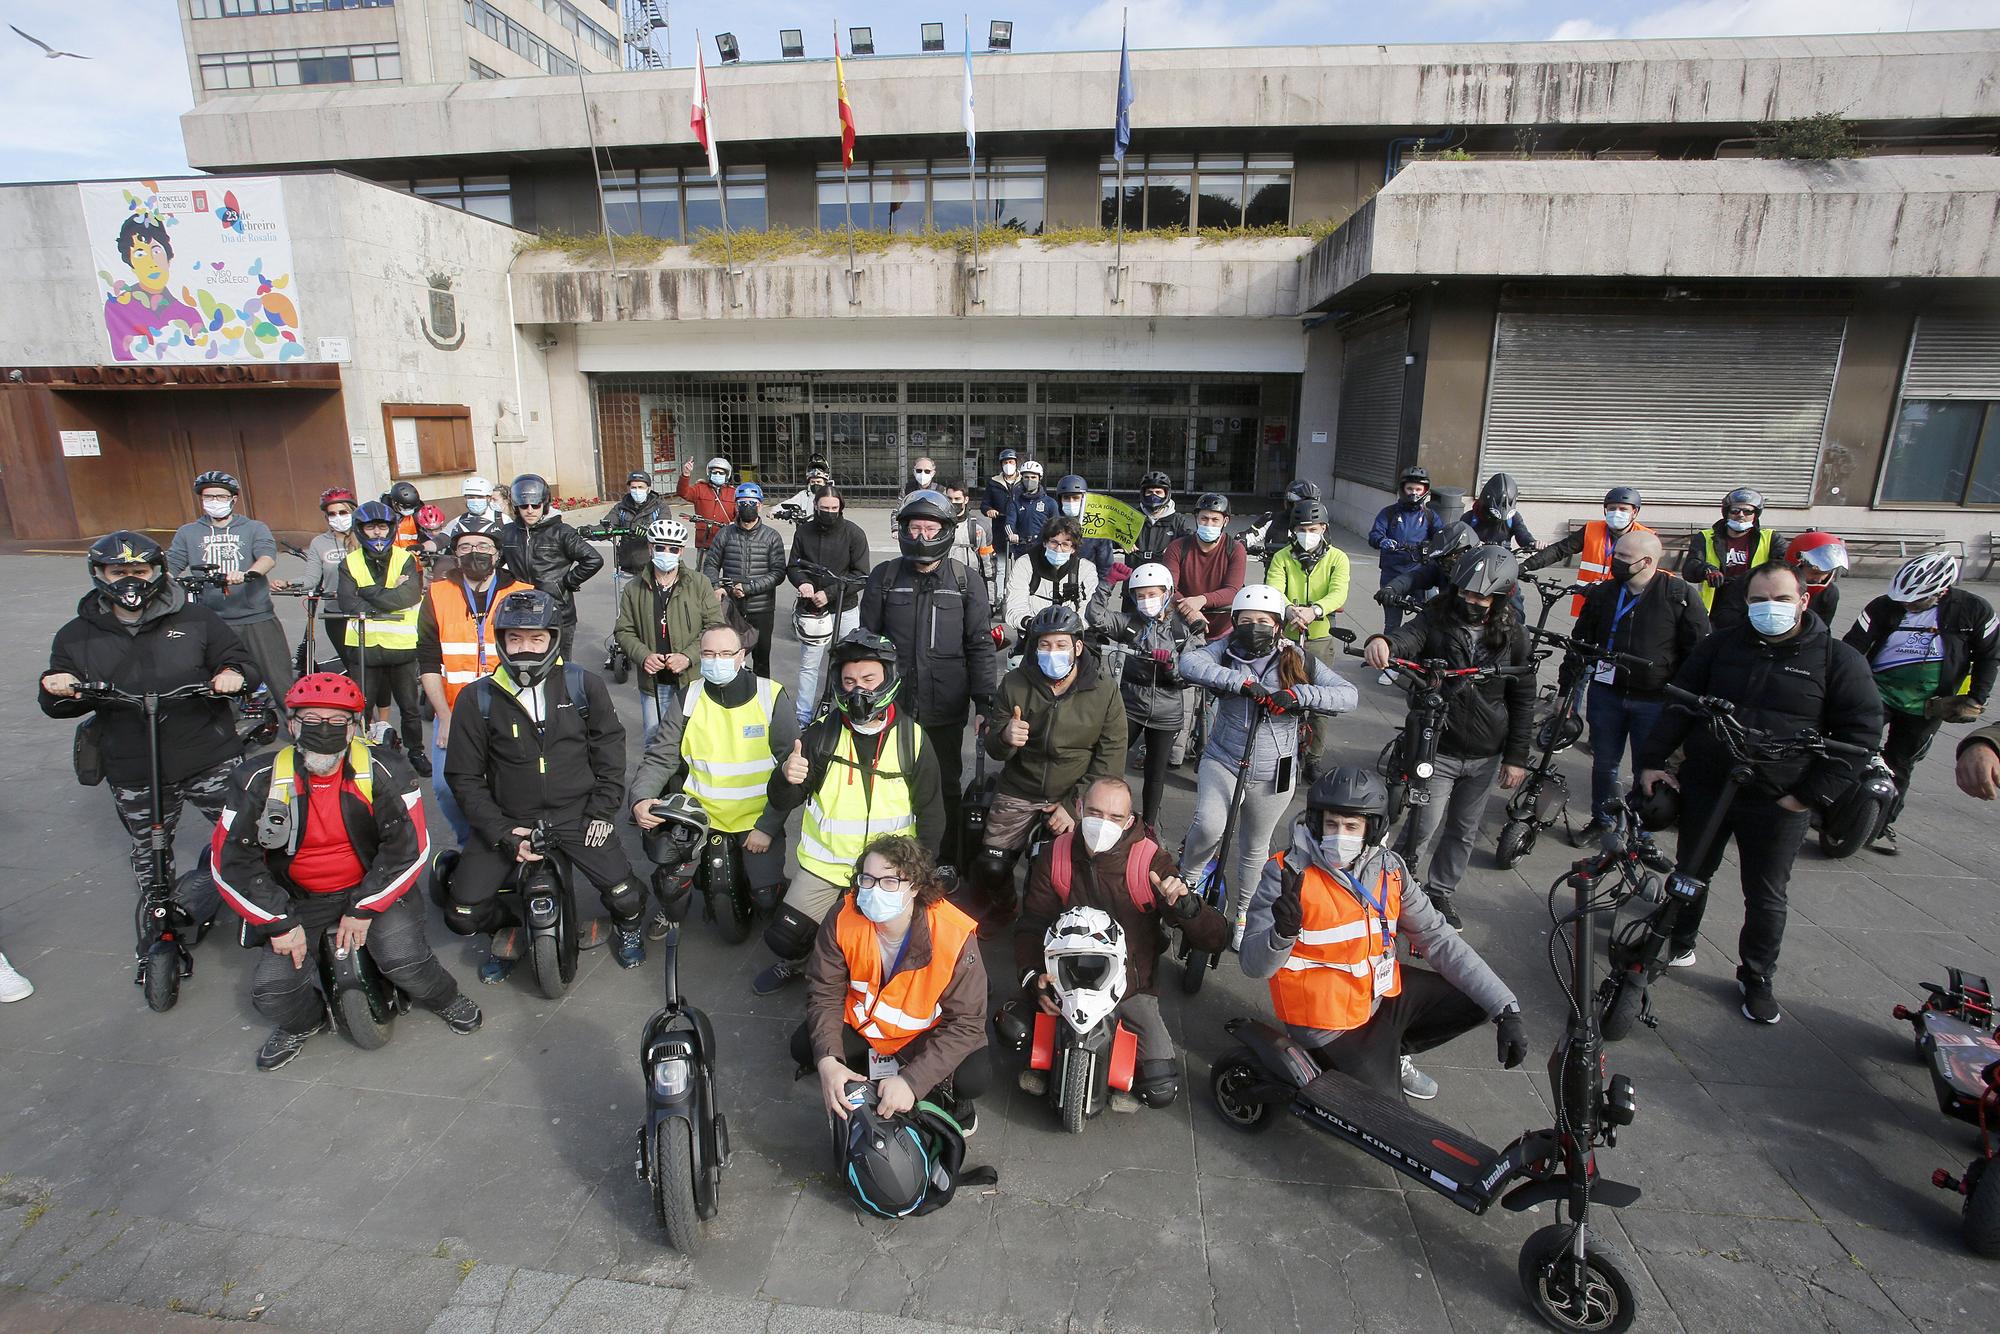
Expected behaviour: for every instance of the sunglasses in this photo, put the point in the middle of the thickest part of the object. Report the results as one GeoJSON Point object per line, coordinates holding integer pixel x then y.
{"type": "Point", "coordinates": [1742, 514]}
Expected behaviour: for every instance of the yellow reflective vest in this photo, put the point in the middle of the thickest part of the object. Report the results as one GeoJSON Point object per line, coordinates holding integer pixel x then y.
{"type": "Point", "coordinates": [728, 755]}
{"type": "Point", "coordinates": [393, 631]}
{"type": "Point", "coordinates": [850, 809]}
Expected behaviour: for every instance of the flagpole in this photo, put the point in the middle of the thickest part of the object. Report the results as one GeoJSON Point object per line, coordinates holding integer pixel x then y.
{"type": "Point", "coordinates": [596, 171]}
{"type": "Point", "coordinates": [846, 194]}
{"type": "Point", "coordinates": [972, 158]}
{"type": "Point", "coordinates": [715, 173]}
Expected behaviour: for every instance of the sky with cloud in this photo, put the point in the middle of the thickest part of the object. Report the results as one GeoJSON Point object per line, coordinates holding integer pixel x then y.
{"type": "Point", "coordinates": [117, 113]}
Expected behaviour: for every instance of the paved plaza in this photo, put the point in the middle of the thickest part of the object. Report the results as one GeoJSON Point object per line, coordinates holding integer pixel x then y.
{"type": "Point", "coordinates": [149, 1174]}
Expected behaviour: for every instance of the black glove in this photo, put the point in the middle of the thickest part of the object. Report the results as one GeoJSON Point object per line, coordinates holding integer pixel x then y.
{"type": "Point", "coordinates": [1186, 908]}
{"type": "Point", "coordinates": [1287, 913]}
{"type": "Point", "coordinates": [1382, 596]}
{"type": "Point", "coordinates": [1284, 701]}
{"type": "Point", "coordinates": [1254, 689]}
{"type": "Point", "coordinates": [1513, 1038]}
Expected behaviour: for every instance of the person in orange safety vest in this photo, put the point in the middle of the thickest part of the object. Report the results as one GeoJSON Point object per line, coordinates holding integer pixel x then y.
{"type": "Point", "coordinates": [1592, 543]}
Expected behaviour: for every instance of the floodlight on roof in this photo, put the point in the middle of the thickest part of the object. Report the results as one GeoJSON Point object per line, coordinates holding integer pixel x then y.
{"type": "Point", "coordinates": [791, 43]}
{"type": "Point", "coordinates": [861, 41]}
{"type": "Point", "coordinates": [933, 36]}
{"type": "Point", "coordinates": [725, 46]}
{"type": "Point", "coordinates": [1000, 35]}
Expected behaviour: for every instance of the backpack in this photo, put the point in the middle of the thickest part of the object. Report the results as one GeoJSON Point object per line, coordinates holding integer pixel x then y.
{"type": "Point", "coordinates": [1138, 870]}
{"type": "Point", "coordinates": [942, 1145]}
{"type": "Point", "coordinates": [579, 697]}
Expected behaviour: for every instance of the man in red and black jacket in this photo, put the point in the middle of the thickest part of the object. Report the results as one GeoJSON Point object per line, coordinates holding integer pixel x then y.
{"type": "Point", "coordinates": [329, 833]}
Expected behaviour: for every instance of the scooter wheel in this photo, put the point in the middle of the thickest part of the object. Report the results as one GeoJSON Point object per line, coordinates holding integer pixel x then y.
{"type": "Point", "coordinates": [1517, 840]}
{"type": "Point", "coordinates": [1075, 1095]}
{"type": "Point", "coordinates": [1981, 1225]}
{"type": "Point", "coordinates": [357, 1020]}
{"type": "Point", "coordinates": [1604, 1302]}
{"type": "Point", "coordinates": [162, 978]}
{"type": "Point", "coordinates": [673, 1185]}
{"type": "Point", "coordinates": [1229, 1081]}
{"type": "Point", "coordinates": [1194, 972]}
{"type": "Point", "coordinates": [545, 954]}
{"type": "Point", "coordinates": [733, 920]}
{"type": "Point", "coordinates": [1622, 1006]}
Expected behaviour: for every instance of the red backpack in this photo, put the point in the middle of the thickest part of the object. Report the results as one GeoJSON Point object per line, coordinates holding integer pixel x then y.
{"type": "Point", "coordinates": [1138, 870]}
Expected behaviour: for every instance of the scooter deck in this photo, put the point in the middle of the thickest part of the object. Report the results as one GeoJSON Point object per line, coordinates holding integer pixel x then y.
{"type": "Point", "coordinates": [1462, 1168]}
{"type": "Point", "coordinates": [1959, 1054]}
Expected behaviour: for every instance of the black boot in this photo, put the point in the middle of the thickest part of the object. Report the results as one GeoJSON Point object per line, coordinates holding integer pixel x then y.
{"type": "Point", "coordinates": [1441, 900]}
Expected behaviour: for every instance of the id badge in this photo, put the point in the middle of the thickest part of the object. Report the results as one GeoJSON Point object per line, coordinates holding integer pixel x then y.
{"type": "Point", "coordinates": [1606, 671]}
{"type": "Point", "coordinates": [1385, 973]}
{"type": "Point", "coordinates": [882, 1067]}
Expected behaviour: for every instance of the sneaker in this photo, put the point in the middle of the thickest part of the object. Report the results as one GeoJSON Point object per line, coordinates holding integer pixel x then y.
{"type": "Point", "coordinates": [1682, 959]}
{"type": "Point", "coordinates": [283, 1045]}
{"type": "Point", "coordinates": [1759, 1005]}
{"type": "Point", "coordinates": [659, 924]}
{"type": "Point", "coordinates": [494, 971]}
{"type": "Point", "coordinates": [1387, 678]}
{"type": "Point", "coordinates": [1441, 900]}
{"type": "Point", "coordinates": [1136, 759]}
{"type": "Point", "coordinates": [1417, 1084]}
{"type": "Point", "coordinates": [1177, 756]}
{"type": "Point", "coordinates": [508, 943]}
{"type": "Point", "coordinates": [13, 986]}
{"type": "Point", "coordinates": [628, 946]}
{"type": "Point", "coordinates": [1592, 833]}
{"type": "Point", "coordinates": [777, 977]}
{"type": "Point", "coordinates": [967, 1117]}
{"type": "Point", "coordinates": [461, 1016]}
{"type": "Point", "coordinates": [420, 760]}
{"type": "Point", "coordinates": [1122, 1101]}
{"type": "Point", "coordinates": [1033, 1081]}
{"type": "Point", "coordinates": [1885, 842]}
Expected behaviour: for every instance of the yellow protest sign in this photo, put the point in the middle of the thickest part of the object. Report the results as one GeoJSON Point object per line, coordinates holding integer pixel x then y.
{"type": "Point", "coordinates": [1104, 516]}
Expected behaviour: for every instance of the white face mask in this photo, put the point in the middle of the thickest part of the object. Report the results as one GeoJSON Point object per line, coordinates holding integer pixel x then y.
{"type": "Point", "coordinates": [1100, 835]}
{"type": "Point", "coordinates": [1151, 606]}
{"type": "Point", "coordinates": [1342, 849]}
{"type": "Point", "coordinates": [1073, 508]}
{"type": "Point", "coordinates": [1617, 520]}
{"type": "Point", "coordinates": [217, 509]}
{"type": "Point", "coordinates": [1308, 541]}
{"type": "Point", "coordinates": [340, 523]}
{"type": "Point", "coordinates": [923, 475]}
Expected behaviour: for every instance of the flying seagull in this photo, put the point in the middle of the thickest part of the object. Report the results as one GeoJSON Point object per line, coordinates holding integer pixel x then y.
{"type": "Point", "coordinates": [53, 54]}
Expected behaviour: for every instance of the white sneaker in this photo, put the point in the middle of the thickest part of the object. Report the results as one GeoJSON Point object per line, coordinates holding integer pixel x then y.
{"type": "Point", "coordinates": [1417, 1084]}
{"type": "Point", "coordinates": [1685, 959]}
{"type": "Point", "coordinates": [13, 986]}
{"type": "Point", "coordinates": [1387, 678]}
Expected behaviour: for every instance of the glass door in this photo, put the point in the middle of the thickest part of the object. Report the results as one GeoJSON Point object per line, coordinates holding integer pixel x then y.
{"type": "Point", "coordinates": [1094, 447]}
{"type": "Point", "coordinates": [882, 448]}
{"type": "Point", "coordinates": [938, 435]}
{"type": "Point", "coordinates": [1056, 448]}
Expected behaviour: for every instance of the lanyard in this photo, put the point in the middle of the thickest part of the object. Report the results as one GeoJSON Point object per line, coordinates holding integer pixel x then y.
{"type": "Point", "coordinates": [1627, 600]}
{"type": "Point", "coordinates": [479, 615]}
{"type": "Point", "coordinates": [1379, 902]}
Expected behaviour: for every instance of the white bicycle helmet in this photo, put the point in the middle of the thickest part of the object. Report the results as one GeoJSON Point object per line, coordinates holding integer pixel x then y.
{"type": "Point", "coordinates": [1151, 575]}
{"type": "Point", "coordinates": [1084, 953]}
{"type": "Point", "coordinates": [670, 532]}
{"type": "Point", "coordinates": [1925, 576]}
{"type": "Point", "coordinates": [1032, 466]}
{"type": "Point", "coordinates": [720, 462]}
{"type": "Point", "coordinates": [476, 485]}
{"type": "Point", "coordinates": [813, 625]}
{"type": "Point", "coordinates": [1258, 597]}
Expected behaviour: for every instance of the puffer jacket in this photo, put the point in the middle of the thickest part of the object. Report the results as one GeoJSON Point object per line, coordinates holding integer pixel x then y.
{"type": "Point", "coordinates": [1153, 690]}
{"type": "Point", "coordinates": [553, 557]}
{"type": "Point", "coordinates": [1157, 531]}
{"type": "Point", "coordinates": [939, 623]}
{"type": "Point", "coordinates": [1494, 715]}
{"type": "Point", "coordinates": [635, 550]}
{"type": "Point", "coordinates": [1214, 667]}
{"type": "Point", "coordinates": [752, 557]}
{"type": "Point", "coordinates": [1074, 738]}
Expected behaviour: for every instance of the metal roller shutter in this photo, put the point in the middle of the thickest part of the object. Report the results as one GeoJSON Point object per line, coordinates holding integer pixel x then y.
{"type": "Point", "coordinates": [1369, 430]}
{"type": "Point", "coordinates": [1682, 406]}
{"type": "Point", "coordinates": [1954, 355]}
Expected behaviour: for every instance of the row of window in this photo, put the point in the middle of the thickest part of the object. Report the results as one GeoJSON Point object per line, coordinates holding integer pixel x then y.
{"type": "Point", "coordinates": [1212, 190]}
{"type": "Point", "coordinates": [672, 204]}
{"type": "Point", "coordinates": [937, 194]}
{"type": "Point", "coordinates": [488, 196]}
{"type": "Point", "coordinates": [236, 9]}
{"type": "Point", "coordinates": [572, 20]}
{"type": "Point", "coordinates": [480, 71]}
{"type": "Point", "coordinates": [516, 38]}
{"type": "Point", "coordinates": [365, 62]}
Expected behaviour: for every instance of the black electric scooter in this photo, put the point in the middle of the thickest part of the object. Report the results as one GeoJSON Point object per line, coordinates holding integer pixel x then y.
{"type": "Point", "coordinates": [1409, 761]}
{"type": "Point", "coordinates": [536, 896]}
{"type": "Point", "coordinates": [684, 1144]}
{"type": "Point", "coordinates": [1641, 943]}
{"type": "Point", "coordinates": [362, 1002]}
{"type": "Point", "coordinates": [166, 931]}
{"type": "Point", "coordinates": [1955, 1038]}
{"type": "Point", "coordinates": [1570, 1283]}
{"type": "Point", "coordinates": [617, 666]}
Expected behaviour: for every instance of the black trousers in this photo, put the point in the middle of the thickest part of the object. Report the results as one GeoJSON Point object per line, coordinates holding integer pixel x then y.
{"type": "Point", "coordinates": [1159, 750]}
{"type": "Point", "coordinates": [761, 620]}
{"type": "Point", "coordinates": [482, 869]}
{"type": "Point", "coordinates": [1428, 1012]}
{"type": "Point", "coordinates": [393, 681]}
{"type": "Point", "coordinates": [968, 1083]}
{"type": "Point", "coordinates": [289, 997]}
{"type": "Point", "coordinates": [1768, 838]}
{"type": "Point", "coordinates": [265, 642]}
{"type": "Point", "coordinates": [948, 744]}
{"type": "Point", "coordinates": [1905, 741]}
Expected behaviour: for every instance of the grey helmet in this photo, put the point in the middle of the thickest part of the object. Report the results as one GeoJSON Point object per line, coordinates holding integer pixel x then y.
{"type": "Point", "coordinates": [1500, 495]}
{"type": "Point", "coordinates": [1487, 572]}
{"type": "Point", "coordinates": [1452, 540]}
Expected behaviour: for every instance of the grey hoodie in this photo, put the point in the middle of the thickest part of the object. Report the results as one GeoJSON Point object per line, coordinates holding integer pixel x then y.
{"type": "Point", "coordinates": [1265, 952]}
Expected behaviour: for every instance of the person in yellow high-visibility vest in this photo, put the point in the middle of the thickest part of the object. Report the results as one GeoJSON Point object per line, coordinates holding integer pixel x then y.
{"type": "Point", "coordinates": [381, 585]}
{"type": "Point", "coordinates": [720, 741]}
{"type": "Point", "coordinates": [1721, 558]}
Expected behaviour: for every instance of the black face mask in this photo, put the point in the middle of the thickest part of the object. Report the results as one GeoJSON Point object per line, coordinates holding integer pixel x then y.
{"type": "Point", "coordinates": [826, 520]}
{"type": "Point", "coordinates": [746, 515]}
{"type": "Point", "coordinates": [323, 738]}
{"type": "Point", "coordinates": [133, 594]}
{"type": "Point", "coordinates": [1152, 504]}
{"type": "Point", "coordinates": [477, 564]}
{"type": "Point", "coordinates": [1621, 570]}
{"type": "Point", "coordinates": [820, 488]}
{"type": "Point", "coordinates": [1473, 615]}
{"type": "Point", "coordinates": [1412, 502]}
{"type": "Point", "coordinates": [958, 508]}
{"type": "Point", "coordinates": [1252, 639]}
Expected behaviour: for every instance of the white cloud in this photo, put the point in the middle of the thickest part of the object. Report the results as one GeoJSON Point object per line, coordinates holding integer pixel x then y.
{"type": "Point", "coordinates": [1760, 18]}
{"type": "Point", "coordinates": [116, 114]}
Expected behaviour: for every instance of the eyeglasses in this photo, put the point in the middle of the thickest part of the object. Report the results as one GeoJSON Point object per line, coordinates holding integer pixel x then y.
{"type": "Point", "coordinates": [662, 546]}
{"type": "Point", "coordinates": [862, 880]}
{"type": "Point", "coordinates": [335, 719]}
{"type": "Point", "coordinates": [707, 656]}
{"type": "Point", "coordinates": [1742, 514]}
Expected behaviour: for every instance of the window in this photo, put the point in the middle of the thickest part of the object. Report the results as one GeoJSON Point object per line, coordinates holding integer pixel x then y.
{"type": "Point", "coordinates": [1945, 451]}
{"type": "Point", "coordinates": [488, 196]}
{"type": "Point", "coordinates": [490, 21]}
{"type": "Point", "coordinates": [1214, 190]}
{"type": "Point", "coordinates": [572, 20]}
{"type": "Point", "coordinates": [368, 62]}
{"type": "Point", "coordinates": [938, 194]}
{"type": "Point", "coordinates": [231, 9]}
{"type": "Point", "coordinates": [673, 205]}
{"type": "Point", "coordinates": [480, 71]}
{"type": "Point", "coordinates": [428, 439]}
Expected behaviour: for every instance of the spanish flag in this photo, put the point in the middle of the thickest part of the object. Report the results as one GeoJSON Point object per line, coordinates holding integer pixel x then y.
{"type": "Point", "coordinates": [846, 108]}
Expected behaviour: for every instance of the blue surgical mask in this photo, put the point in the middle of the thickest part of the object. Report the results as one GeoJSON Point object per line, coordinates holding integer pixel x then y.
{"type": "Point", "coordinates": [719, 671]}
{"type": "Point", "coordinates": [1055, 666]}
{"type": "Point", "coordinates": [476, 504]}
{"type": "Point", "coordinates": [1617, 520]}
{"type": "Point", "coordinates": [1773, 618]}
{"type": "Point", "coordinates": [1057, 558]}
{"type": "Point", "coordinates": [1207, 532]}
{"type": "Point", "coordinates": [881, 905]}
{"type": "Point", "coordinates": [638, 495]}
{"type": "Point", "coordinates": [666, 562]}
{"type": "Point", "coordinates": [717, 476]}
{"type": "Point", "coordinates": [1740, 525]}
{"type": "Point", "coordinates": [1073, 508]}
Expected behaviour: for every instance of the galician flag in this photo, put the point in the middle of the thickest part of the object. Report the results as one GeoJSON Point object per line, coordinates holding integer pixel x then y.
{"type": "Point", "coordinates": [698, 117]}
{"type": "Point", "coordinates": [967, 114]}
{"type": "Point", "coordinates": [846, 108]}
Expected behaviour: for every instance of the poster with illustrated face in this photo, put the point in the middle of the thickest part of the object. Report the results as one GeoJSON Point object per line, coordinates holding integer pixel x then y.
{"type": "Point", "coordinates": [194, 271]}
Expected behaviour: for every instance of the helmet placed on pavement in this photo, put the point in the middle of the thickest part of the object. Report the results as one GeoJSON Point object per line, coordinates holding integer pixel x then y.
{"type": "Point", "coordinates": [125, 547]}
{"type": "Point", "coordinates": [931, 505]}
{"type": "Point", "coordinates": [1350, 791]}
{"type": "Point", "coordinates": [1083, 952]}
{"type": "Point", "coordinates": [883, 1161]}
{"type": "Point", "coordinates": [1927, 576]}
{"type": "Point", "coordinates": [1258, 597]}
{"type": "Point", "coordinates": [1487, 572]}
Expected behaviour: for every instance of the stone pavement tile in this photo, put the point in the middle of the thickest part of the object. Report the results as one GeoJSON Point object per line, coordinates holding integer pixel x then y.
{"type": "Point", "coordinates": [596, 1306]}
{"type": "Point", "coordinates": [1965, 904]}
{"type": "Point", "coordinates": [1283, 1150]}
{"type": "Point", "coordinates": [1701, 1019]}
{"type": "Point", "coordinates": [366, 1291]}
{"type": "Point", "coordinates": [426, 1057]}
{"type": "Point", "coordinates": [43, 906]}
{"type": "Point", "coordinates": [1908, 959]}
{"type": "Point", "coordinates": [1474, 1261]}
{"type": "Point", "coordinates": [1849, 894]}
{"type": "Point", "coordinates": [529, 1299]}
{"type": "Point", "coordinates": [1724, 1273]}
{"type": "Point", "coordinates": [1930, 1275]}
{"type": "Point", "coordinates": [1843, 965]}
{"type": "Point", "coordinates": [1293, 1256]}
{"type": "Point", "coordinates": [581, 1058]}
{"type": "Point", "coordinates": [219, 1271]}
{"type": "Point", "coordinates": [1684, 1153]}
{"type": "Point", "coordinates": [24, 1312]}
{"type": "Point", "coordinates": [86, 1005]}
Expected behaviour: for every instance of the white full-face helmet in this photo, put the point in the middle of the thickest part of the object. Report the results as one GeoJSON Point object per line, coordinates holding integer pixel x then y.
{"type": "Point", "coordinates": [1084, 953]}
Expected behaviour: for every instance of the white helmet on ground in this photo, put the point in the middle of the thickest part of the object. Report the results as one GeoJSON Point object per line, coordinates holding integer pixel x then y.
{"type": "Point", "coordinates": [668, 531]}
{"type": "Point", "coordinates": [1151, 575]}
{"type": "Point", "coordinates": [1084, 953]}
{"type": "Point", "coordinates": [1258, 597]}
{"type": "Point", "coordinates": [1925, 576]}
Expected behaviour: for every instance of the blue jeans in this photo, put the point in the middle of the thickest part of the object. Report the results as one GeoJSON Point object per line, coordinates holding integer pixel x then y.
{"type": "Point", "coordinates": [447, 803]}
{"type": "Point", "coordinates": [1615, 716]}
{"type": "Point", "coordinates": [649, 710]}
{"type": "Point", "coordinates": [812, 661]}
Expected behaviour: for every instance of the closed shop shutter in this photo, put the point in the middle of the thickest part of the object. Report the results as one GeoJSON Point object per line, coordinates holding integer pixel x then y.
{"type": "Point", "coordinates": [1369, 429]}
{"type": "Point", "coordinates": [1683, 406]}
{"type": "Point", "coordinates": [1955, 355]}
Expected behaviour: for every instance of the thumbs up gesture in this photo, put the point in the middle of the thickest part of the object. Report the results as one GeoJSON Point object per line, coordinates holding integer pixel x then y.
{"type": "Point", "coordinates": [1017, 730]}
{"type": "Point", "coordinates": [1171, 887]}
{"type": "Point", "coordinates": [796, 767]}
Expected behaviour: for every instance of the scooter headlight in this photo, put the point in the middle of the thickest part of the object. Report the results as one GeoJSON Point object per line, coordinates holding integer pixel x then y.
{"type": "Point", "coordinates": [670, 1077]}
{"type": "Point", "coordinates": [1425, 769]}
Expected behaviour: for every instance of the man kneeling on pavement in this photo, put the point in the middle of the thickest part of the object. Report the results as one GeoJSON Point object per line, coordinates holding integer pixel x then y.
{"type": "Point", "coordinates": [328, 833]}
{"type": "Point", "coordinates": [1094, 866]}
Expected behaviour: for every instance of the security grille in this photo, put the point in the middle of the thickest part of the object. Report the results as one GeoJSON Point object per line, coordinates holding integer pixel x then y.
{"type": "Point", "coordinates": [1955, 355]}
{"type": "Point", "coordinates": [1368, 432]}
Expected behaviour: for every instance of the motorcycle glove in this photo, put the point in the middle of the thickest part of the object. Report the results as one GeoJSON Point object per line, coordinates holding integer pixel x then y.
{"type": "Point", "coordinates": [597, 833]}
{"type": "Point", "coordinates": [1513, 1037]}
{"type": "Point", "coordinates": [1287, 911]}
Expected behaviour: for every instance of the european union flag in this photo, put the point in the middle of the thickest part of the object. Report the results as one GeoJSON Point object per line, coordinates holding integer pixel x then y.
{"type": "Point", "coordinates": [1121, 134]}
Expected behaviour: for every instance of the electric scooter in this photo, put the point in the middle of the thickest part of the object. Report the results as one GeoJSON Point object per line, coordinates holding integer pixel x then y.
{"type": "Point", "coordinates": [1642, 944]}
{"type": "Point", "coordinates": [1955, 1038]}
{"type": "Point", "coordinates": [684, 1144]}
{"type": "Point", "coordinates": [362, 1002]}
{"type": "Point", "coordinates": [617, 666]}
{"type": "Point", "coordinates": [166, 931]}
{"type": "Point", "coordinates": [538, 897]}
{"type": "Point", "coordinates": [1570, 1283]}
{"type": "Point", "coordinates": [1409, 761]}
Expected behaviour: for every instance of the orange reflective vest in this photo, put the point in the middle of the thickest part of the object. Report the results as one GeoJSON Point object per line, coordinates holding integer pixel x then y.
{"type": "Point", "coordinates": [1329, 980]}
{"type": "Point", "coordinates": [890, 1015]}
{"type": "Point", "coordinates": [1594, 566]}
{"type": "Point", "coordinates": [466, 639]}
{"type": "Point", "coordinates": [408, 536]}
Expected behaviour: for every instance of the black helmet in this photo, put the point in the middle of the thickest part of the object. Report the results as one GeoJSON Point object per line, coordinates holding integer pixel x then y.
{"type": "Point", "coordinates": [1309, 511]}
{"type": "Point", "coordinates": [1855, 816]}
{"type": "Point", "coordinates": [529, 489]}
{"type": "Point", "coordinates": [128, 548]}
{"type": "Point", "coordinates": [1055, 619]}
{"type": "Point", "coordinates": [404, 496]}
{"type": "Point", "coordinates": [1451, 540]}
{"type": "Point", "coordinates": [1213, 500]}
{"type": "Point", "coordinates": [677, 840]}
{"type": "Point", "coordinates": [1414, 474]}
{"type": "Point", "coordinates": [1500, 495]}
{"type": "Point", "coordinates": [926, 505]}
{"type": "Point", "coordinates": [1743, 495]}
{"type": "Point", "coordinates": [883, 1161]}
{"type": "Point", "coordinates": [1301, 489]}
{"type": "Point", "coordinates": [1156, 478]}
{"type": "Point", "coordinates": [1622, 495]}
{"type": "Point", "coordinates": [865, 646]}
{"type": "Point", "coordinates": [1657, 810]}
{"type": "Point", "coordinates": [1487, 571]}
{"type": "Point", "coordinates": [531, 609]}
{"type": "Point", "coordinates": [476, 525]}
{"type": "Point", "coordinates": [1351, 791]}
{"type": "Point", "coordinates": [216, 477]}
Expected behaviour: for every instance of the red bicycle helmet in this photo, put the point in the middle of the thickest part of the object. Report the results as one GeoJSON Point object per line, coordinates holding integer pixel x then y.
{"type": "Point", "coordinates": [1817, 556]}
{"type": "Point", "coordinates": [336, 495]}
{"type": "Point", "coordinates": [430, 518]}
{"type": "Point", "coordinates": [325, 690]}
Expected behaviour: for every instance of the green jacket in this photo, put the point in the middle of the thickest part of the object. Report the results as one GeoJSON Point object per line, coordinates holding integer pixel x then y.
{"type": "Point", "coordinates": [1324, 586]}
{"type": "Point", "coordinates": [691, 608]}
{"type": "Point", "coordinates": [1074, 738]}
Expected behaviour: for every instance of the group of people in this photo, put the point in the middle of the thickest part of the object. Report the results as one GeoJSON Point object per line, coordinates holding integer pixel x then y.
{"type": "Point", "coordinates": [1070, 660]}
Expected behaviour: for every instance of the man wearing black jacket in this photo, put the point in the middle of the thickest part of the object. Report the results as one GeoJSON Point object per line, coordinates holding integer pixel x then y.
{"type": "Point", "coordinates": [1644, 611]}
{"type": "Point", "coordinates": [1487, 723]}
{"type": "Point", "coordinates": [1163, 522]}
{"type": "Point", "coordinates": [540, 548]}
{"type": "Point", "coordinates": [137, 630]}
{"type": "Point", "coordinates": [832, 544]}
{"type": "Point", "coordinates": [1786, 674]}
{"type": "Point", "coordinates": [746, 561]}
{"type": "Point", "coordinates": [537, 741]}
{"type": "Point", "coordinates": [632, 515]}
